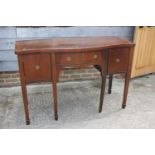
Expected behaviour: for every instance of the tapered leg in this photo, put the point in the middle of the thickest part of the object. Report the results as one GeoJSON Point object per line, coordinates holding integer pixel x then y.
{"type": "Point", "coordinates": [110, 83]}
{"type": "Point", "coordinates": [24, 90]}
{"type": "Point", "coordinates": [54, 81]}
{"type": "Point", "coordinates": [102, 93]}
{"type": "Point", "coordinates": [126, 86]}
{"type": "Point", "coordinates": [25, 101]}
{"type": "Point", "coordinates": [55, 100]}
{"type": "Point", "coordinates": [104, 71]}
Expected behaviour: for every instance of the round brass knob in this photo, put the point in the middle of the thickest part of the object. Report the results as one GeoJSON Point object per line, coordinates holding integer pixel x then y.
{"type": "Point", "coordinates": [68, 58]}
{"type": "Point", "coordinates": [117, 60]}
{"type": "Point", "coordinates": [37, 67]}
{"type": "Point", "coordinates": [95, 56]}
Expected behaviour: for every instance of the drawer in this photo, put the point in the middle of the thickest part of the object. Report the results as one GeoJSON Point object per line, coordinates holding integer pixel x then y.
{"type": "Point", "coordinates": [118, 60]}
{"type": "Point", "coordinates": [78, 58]}
{"type": "Point", "coordinates": [37, 67]}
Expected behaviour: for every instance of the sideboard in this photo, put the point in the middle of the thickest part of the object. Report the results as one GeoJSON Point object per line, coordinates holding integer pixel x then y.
{"type": "Point", "coordinates": [42, 60]}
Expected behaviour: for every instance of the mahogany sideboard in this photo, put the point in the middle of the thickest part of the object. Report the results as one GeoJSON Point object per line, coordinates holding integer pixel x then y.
{"type": "Point", "coordinates": [42, 60]}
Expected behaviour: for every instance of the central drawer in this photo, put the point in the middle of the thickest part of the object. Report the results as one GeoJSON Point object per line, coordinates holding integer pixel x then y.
{"type": "Point", "coordinates": [78, 58]}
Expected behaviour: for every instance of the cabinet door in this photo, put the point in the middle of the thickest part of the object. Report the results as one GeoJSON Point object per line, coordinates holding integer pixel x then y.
{"type": "Point", "coordinates": [118, 60]}
{"type": "Point", "coordinates": [144, 53]}
{"type": "Point", "coordinates": [37, 67]}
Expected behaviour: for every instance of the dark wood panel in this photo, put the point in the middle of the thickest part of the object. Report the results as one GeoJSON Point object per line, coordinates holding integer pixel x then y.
{"type": "Point", "coordinates": [37, 67]}
{"type": "Point", "coordinates": [118, 60]}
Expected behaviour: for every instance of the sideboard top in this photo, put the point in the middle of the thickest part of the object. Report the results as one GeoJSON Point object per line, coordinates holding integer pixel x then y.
{"type": "Point", "coordinates": [70, 44]}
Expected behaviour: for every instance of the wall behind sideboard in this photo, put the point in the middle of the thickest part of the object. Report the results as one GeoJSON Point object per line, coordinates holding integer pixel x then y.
{"type": "Point", "coordinates": [8, 36]}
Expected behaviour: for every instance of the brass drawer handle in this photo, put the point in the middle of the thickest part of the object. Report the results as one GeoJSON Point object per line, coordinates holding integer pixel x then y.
{"type": "Point", "coordinates": [117, 60]}
{"type": "Point", "coordinates": [68, 58]}
{"type": "Point", "coordinates": [37, 67]}
{"type": "Point", "coordinates": [95, 56]}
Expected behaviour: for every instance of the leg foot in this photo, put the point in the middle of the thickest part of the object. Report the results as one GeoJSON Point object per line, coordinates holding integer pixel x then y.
{"type": "Point", "coordinates": [100, 109]}
{"type": "Point", "coordinates": [102, 93]}
{"type": "Point", "coordinates": [27, 122]}
{"type": "Point", "coordinates": [110, 83]}
{"type": "Point", "coordinates": [127, 78]}
{"type": "Point", "coordinates": [109, 91]}
{"type": "Point", "coordinates": [123, 106]}
{"type": "Point", "coordinates": [56, 117]}
{"type": "Point", "coordinates": [55, 101]}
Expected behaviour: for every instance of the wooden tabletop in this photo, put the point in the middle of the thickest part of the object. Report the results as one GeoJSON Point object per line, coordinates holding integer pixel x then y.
{"type": "Point", "coordinates": [70, 44]}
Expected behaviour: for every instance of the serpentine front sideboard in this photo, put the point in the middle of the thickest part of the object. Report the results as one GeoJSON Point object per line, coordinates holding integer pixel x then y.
{"type": "Point", "coordinates": [42, 60]}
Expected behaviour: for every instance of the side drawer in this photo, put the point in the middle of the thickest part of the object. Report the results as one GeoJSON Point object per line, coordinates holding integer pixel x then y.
{"type": "Point", "coordinates": [37, 67]}
{"type": "Point", "coordinates": [118, 60]}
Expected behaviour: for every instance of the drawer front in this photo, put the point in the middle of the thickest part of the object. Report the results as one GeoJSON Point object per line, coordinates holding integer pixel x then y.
{"type": "Point", "coordinates": [118, 60]}
{"type": "Point", "coordinates": [78, 58]}
{"type": "Point", "coordinates": [37, 67]}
